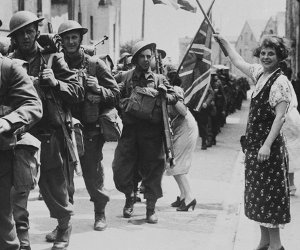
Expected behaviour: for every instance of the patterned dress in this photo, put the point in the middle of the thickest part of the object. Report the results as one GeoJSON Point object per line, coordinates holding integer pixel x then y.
{"type": "Point", "coordinates": [266, 183]}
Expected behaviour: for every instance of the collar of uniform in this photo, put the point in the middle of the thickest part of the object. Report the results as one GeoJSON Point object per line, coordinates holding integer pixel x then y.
{"type": "Point", "coordinates": [18, 54]}
{"type": "Point", "coordinates": [138, 73]}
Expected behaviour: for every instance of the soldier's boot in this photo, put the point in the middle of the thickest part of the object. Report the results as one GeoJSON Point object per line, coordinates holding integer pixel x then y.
{"type": "Point", "coordinates": [128, 208]}
{"type": "Point", "coordinates": [204, 145]}
{"type": "Point", "coordinates": [151, 217]}
{"type": "Point", "coordinates": [64, 230]}
{"type": "Point", "coordinates": [100, 222]}
{"type": "Point", "coordinates": [50, 237]}
{"type": "Point", "coordinates": [100, 219]}
{"type": "Point", "coordinates": [23, 237]}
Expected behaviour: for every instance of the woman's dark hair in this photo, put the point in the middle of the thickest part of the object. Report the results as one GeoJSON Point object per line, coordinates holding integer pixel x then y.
{"type": "Point", "coordinates": [275, 42]}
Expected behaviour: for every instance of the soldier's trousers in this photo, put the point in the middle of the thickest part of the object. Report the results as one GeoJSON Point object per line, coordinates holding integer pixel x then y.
{"type": "Point", "coordinates": [140, 145]}
{"type": "Point", "coordinates": [56, 175]}
{"type": "Point", "coordinates": [21, 214]}
{"type": "Point", "coordinates": [92, 170]}
{"type": "Point", "coordinates": [8, 236]}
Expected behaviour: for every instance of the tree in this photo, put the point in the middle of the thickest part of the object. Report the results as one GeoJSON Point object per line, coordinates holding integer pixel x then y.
{"type": "Point", "coordinates": [127, 46]}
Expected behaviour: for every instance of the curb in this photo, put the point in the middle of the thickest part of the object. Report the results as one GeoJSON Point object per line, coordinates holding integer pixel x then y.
{"type": "Point", "coordinates": [227, 222]}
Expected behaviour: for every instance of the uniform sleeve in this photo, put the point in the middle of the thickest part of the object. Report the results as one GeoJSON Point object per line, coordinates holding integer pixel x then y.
{"type": "Point", "coordinates": [68, 88]}
{"type": "Point", "coordinates": [109, 90]}
{"type": "Point", "coordinates": [171, 95]}
{"type": "Point", "coordinates": [255, 70]}
{"type": "Point", "coordinates": [280, 91]}
{"type": "Point", "coordinates": [22, 97]}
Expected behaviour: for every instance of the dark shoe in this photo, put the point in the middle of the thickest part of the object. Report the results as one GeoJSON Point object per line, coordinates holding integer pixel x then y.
{"type": "Point", "coordinates": [214, 142]}
{"type": "Point", "coordinates": [62, 239]}
{"type": "Point", "coordinates": [23, 236]}
{"type": "Point", "coordinates": [203, 147]}
{"type": "Point", "coordinates": [128, 208]}
{"type": "Point", "coordinates": [185, 208]}
{"type": "Point", "coordinates": [151, 216]}
{"type": "Point", "coordinates": [51, 237]}
{"type": "Point", "coordinates": [100, 222]}
{"type": "Point", "coordinates": [263, 248]}
{"type": "Point", "coordinates": [25, 248]}
{"type": "Point", "coordinates": [177, 202]}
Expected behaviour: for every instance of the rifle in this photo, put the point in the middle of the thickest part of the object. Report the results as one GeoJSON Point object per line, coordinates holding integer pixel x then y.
{"type": "Point", "coordinates": [70, 140]}
{"type": "Point", "coordinates": [168, 132]}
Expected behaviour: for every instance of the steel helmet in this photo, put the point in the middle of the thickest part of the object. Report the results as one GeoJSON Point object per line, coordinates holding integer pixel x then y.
{"type": "Point", "coordinates": [123, 56]}
{"type": "Point", "coordinates": [140, 46]}
{"type": "Point", "coordinates": [162, 53]}
{"type": "Point", "coordinates": [21, 19]}
{"type": "Point", "coordinates": [69, 26]}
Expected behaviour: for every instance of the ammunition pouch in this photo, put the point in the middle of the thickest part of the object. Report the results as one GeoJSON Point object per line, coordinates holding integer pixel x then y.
{"type": "Point", "coordinates": [91, 109]}
{"type": "Point", "coordinates": [26, 163]}
{"type": "Point", "coordinates": [145, 103]}
{"type": "Point", "coordinates": [111, 124]}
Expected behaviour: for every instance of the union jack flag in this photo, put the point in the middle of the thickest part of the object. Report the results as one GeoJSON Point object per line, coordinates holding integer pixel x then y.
{"type": "Point", "coordinates": [195, 68]}
{"type": "Point", "coordinates": [182, 4]}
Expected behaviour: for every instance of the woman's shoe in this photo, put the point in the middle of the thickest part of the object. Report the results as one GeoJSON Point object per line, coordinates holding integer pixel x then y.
{"type": "Point", "coordinates": [177, 203]}
{"type": "Point", "coordinates": [185, 208]}
{"type": "Point", "coordinates": [263, 248]}
{"type": "Point", "coordinates": [292, 191]}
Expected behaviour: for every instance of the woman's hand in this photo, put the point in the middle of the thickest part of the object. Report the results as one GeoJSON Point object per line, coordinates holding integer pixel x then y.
{"type": "Point", "coordinates": [263, 153]}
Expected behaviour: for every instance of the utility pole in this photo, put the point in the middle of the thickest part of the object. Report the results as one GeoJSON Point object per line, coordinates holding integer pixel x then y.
{"type": "Point", "coordinates": [143, 20]}
{"type": "Point", "coordinates": [71, 9]}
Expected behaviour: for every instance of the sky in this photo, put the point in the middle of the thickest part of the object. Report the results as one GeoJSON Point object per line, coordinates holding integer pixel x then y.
{"type": "Point", "coordinates": [165, 25]}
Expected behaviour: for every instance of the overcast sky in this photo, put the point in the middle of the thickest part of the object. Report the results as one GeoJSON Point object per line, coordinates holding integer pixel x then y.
{"type": "Point", "coordinates": [164, 25]}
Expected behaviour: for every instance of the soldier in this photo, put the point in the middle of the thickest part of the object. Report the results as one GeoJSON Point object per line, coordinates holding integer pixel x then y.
{"type": "Point", "coordinates": [202, 117]}
{"type": "Point", "coordinates": [101, 92]}
{"type": "Point", "coordinates": [19, 95]}
{"type": "Point", "coordinates": [141, 143]}
{"type": "Point", "coordinates": [58, 88]}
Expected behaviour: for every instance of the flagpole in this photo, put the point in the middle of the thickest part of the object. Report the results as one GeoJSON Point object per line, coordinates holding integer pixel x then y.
{"type": "Point", "coordinates": [213, 30]}
{"type": "Point", "coordinates": [191, 44]}
{"type": "Point", "coordinates": [143, 20]}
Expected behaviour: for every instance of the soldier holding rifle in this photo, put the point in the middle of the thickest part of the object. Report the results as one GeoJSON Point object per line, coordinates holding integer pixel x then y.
{"type": "Point", "coordinates": [141, 143]}
{"type": "Point", "coordinates": [102, 92]}
{"type": "Point", "coordinates": [58, 88]}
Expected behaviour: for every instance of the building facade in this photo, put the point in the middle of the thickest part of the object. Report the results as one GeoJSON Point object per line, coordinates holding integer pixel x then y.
{"type": "Point", "coordinates": [39, 7]}
{"type": "Point", "coordinates": [293, 33]}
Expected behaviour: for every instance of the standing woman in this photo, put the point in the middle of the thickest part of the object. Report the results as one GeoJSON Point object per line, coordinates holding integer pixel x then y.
{"type": "Point", "coordinates": [185, 131]}
{"type": "Point", "coordinates": [267, 198]}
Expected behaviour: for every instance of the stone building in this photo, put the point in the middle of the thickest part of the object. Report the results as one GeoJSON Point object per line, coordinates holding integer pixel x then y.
{"type": "Point", "coordinates": [293, 33]}
{"type": "Point", "coordinates": [39, 7]}
{"type": "Point", "coordinates": [102, 18]}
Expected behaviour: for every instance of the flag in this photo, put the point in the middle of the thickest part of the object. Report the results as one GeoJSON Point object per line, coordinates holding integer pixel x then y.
{"type": "Point", "coordinates": [185, 5]}
{"type": "Point", "coordinates": [194, 71]}
{"type": "Point", "coordinates": [176, 4]}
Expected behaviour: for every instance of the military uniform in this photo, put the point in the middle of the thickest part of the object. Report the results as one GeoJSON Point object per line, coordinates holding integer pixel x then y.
{"type": "Point", "coordinates": [56, 172]}
{"type": "Point", "coordinates": [141, 143]}
{"type": "Point", "coordinates": [88, 112]}
{"type": "Point", "coordinates": [16, 91]}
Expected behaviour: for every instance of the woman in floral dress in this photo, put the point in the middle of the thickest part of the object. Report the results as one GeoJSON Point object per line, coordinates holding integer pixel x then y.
{"type": "Point", "coordinates": [267, 198]}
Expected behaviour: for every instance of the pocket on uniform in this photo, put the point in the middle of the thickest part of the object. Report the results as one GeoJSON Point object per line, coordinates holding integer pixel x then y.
{"type": "Point", "coordinates": [25, 167]}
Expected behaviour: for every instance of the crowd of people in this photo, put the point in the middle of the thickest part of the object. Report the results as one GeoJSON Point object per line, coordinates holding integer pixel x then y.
{"type": "Point", "coordinates": [49, 92]}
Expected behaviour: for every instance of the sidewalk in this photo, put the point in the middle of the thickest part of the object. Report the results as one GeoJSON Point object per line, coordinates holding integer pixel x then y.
{"type": "Point", "coordinates": [248, 233]}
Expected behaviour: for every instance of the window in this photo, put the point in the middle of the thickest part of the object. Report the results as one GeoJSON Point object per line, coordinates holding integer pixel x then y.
{"type": "Point", "coordinates": [39, 8]}
{"type": "Point", "coordinates": [21, 5]}
{"type": "Point", "coordinates": [80, 18]}
{"type": "Point", "coordinates": [92, 27]}
{"type": "Point", "coordinates": [102, 2]}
